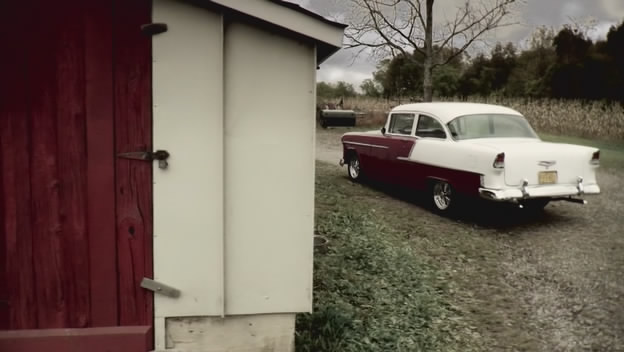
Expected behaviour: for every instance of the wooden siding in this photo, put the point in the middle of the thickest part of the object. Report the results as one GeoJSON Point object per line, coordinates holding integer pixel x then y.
{"type": "Point", "coordinates": [132, 95]}
{"type": "Point", "coordinates": [75, 222]}
{"type": "Point", "coordinates": [100, 174]}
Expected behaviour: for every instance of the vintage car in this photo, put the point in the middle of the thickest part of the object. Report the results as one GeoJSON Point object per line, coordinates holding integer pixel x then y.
{"type": "Point", "coordinates": [466, 149]}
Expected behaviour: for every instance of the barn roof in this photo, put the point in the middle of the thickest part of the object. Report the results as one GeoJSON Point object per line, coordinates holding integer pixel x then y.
{"type": "Point", "coordinates": [290, 17]}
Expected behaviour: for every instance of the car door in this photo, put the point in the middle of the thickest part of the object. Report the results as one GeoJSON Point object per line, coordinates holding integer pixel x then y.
{"type": "Point", "coordinates": [429, 134]}
{"type": "Point", "coordinates": [398, 143]}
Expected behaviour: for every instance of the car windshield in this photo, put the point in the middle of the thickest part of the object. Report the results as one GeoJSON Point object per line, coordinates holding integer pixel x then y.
{"type": "Point", "coordinates": [490, 126]}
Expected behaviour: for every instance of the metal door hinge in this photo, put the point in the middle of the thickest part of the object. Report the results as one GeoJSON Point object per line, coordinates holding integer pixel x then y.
{"type": "Point", "coordinates": [160, 155]}
{"type": "Point", "coordinates": [154, 28]}
{"type": "Point", "coordinates": [161, 288]}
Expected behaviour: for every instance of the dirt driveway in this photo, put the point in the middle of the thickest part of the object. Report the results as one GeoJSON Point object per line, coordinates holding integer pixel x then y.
{"type": "Point", "coordinates": [547, 282]}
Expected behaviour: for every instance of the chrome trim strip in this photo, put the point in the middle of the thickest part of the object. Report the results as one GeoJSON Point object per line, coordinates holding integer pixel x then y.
{"type": "Point", "coordinates": [366, 145]}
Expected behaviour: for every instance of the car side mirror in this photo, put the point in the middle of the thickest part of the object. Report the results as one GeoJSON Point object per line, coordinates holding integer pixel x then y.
{"type": "Point", "coordinates": [383, 130]}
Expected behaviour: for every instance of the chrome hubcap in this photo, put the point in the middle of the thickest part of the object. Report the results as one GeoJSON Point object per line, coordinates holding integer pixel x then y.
{"type": "Point", "coordinates": [354, 168]}
{"type": "Point", "coordinates": [442, 195]}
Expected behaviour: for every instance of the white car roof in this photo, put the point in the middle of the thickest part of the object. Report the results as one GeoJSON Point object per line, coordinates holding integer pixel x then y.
{"type": "Point", "coordinates": [447, 111]}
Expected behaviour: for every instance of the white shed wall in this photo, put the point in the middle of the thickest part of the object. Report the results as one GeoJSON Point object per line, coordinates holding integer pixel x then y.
{"type": "Point", "coordinates": [269, 171]}
{"type": "Point", "coordinates": [234, 212]}
{"type": "Point", "coordinates": [188, 196]}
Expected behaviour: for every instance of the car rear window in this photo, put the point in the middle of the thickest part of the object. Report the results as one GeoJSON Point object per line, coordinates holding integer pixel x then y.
{"type": "Point", "coordinates": [490, 126]}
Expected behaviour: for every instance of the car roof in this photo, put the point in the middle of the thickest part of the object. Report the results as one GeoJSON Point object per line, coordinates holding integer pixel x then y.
{"type": "Point", "coordinates": [447, 111]}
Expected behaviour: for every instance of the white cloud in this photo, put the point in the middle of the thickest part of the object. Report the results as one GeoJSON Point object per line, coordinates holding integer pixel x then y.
{"type": "Point", "coordinates": [600, 30]}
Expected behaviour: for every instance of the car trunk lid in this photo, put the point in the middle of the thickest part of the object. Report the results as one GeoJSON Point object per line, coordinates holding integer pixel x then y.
{"type": "Point", "coordinates": [540, 163]}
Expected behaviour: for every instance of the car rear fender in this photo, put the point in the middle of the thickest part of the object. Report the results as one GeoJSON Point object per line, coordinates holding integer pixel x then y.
{"type": "Point", "coordinates": [430, 180]}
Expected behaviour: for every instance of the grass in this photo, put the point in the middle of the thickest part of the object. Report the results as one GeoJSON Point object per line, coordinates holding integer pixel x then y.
{"type": "Point", "coordinates": [372, 290]}
{"type": "Point", "coordinates": [396, 277]}
{"type": "Point", "coordinates": [611, 152]}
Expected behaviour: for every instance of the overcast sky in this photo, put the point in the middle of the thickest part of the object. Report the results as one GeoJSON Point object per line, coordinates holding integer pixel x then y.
{"type": "Point", "coordinates": [530, 14]}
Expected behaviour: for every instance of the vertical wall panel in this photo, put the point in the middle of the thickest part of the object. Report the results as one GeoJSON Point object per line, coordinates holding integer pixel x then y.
{"type": "Point", "coordinates": [15, 154]}
{"type": "Point", "coordinates": [17, 231]}
{"type": "Point", "coordinates": [100, 162]}
{"type": "Point", "coordinates": [47, 231]}
{"type": "Point", "coordinates": [133, 132]}
{"type": "Point", "coordinates": [6, 42]}
{"type": "Point", "coordinates": [188, 197]}
{"type": "Point", "coordinates": [269, 171]}
{"type": "Point", "coordinates": [71, 154]}
{"type": "Point", "coordinates": [4, 287]}
{"type": "Point", "coordinates": [20, 308]}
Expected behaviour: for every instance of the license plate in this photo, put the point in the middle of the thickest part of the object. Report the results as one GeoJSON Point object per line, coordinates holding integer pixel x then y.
{"type": "Point", "coordinates": [547, 177]}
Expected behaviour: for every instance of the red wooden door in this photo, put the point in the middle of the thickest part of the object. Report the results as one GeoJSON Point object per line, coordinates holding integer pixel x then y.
{"type": "Point", "coordinates": [75, 220]}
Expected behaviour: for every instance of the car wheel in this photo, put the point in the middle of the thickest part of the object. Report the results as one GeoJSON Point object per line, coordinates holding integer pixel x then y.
{"type": "Point", "coordinates": [442, 196]}
{"type": "Point", "coordinates": [354, 169]}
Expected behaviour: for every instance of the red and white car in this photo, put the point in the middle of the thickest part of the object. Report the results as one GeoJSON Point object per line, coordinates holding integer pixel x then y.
{"type": "Point", "coordinates": [470, 149]}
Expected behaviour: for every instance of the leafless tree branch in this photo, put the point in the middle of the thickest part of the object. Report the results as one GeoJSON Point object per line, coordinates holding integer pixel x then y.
{"type": "Point", "coordinates": [405, 27]}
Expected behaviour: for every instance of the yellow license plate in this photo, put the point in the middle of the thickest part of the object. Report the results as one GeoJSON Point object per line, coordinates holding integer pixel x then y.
{"type": "Point", "coordinates": [547, 177]}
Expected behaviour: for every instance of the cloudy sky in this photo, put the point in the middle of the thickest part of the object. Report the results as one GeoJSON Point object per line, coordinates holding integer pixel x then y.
{"type": "Point", "coordinates": [529, 14]}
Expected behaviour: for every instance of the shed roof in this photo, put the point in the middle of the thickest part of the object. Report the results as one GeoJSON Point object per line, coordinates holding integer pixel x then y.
{"type": "Point", "coordinates": [447, 111]}
{"type": "Point", "coordinates": [307, 12]}
{"type": "Point", "coordinates": [326, 34]}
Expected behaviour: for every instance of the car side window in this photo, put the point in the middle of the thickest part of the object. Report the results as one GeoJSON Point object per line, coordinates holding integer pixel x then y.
{"type": "Point", "coordinates": [429, 127]}
{"type": "Point", "coordinates": [401, 123]}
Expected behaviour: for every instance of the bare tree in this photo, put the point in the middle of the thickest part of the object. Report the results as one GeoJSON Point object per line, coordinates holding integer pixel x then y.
{"type": "Point", "coordinates": [406, 26]}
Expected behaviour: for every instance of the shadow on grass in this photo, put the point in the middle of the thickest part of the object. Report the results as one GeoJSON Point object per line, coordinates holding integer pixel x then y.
{"type": "Point", "coordinates": [474, 211]}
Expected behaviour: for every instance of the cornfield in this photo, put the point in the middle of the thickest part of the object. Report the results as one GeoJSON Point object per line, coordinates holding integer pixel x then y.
{"type": "Point", "coordinates": [596, 120]}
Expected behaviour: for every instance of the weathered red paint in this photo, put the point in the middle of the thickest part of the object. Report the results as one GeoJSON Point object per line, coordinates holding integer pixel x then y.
{"type": "Point", "coordinates": [74, 247]}
{"type": "Point", "coordinates": [383, 158]}
{"type": "Point", "coordinates": [71, 155]}
{"type": "Point", "coordinates": [100, 162]}
{"type": "Point", "coordinates": [132, 77]}
{"type": "Point", "coordinates": [47, 254]}
{"type": "Point", "coordinates": [117, 339]}
{"type": "Point", "coordinates": [4, 289]}
{"type": "Point", "coordinates": [15, 155]}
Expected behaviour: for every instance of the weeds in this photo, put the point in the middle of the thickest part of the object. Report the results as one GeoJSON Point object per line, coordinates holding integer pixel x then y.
{"type": "Point", "coordinates": [560, 117]}
{"type": "Point", "coordinates": [372, 292]}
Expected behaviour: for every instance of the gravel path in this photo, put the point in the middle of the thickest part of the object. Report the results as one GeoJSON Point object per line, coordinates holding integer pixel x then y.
{"type": "Point", "coordinates": [559, 279]}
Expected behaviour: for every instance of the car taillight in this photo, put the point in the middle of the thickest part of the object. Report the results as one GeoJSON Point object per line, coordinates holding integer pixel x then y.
{"type": "Point", "coordinates": [499, 162]}
{"type": "Point", "coordinates": [595, 160]}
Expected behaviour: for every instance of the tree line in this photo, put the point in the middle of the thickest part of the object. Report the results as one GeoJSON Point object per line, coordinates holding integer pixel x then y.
{"type": "Point", "coordinates": [566, 64]}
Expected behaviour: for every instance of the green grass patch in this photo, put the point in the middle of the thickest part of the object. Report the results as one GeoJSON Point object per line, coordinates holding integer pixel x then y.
{"type": "Point", "coordinates": [611, 153]}
{"type": "Point", "coordinates": [372, 292]}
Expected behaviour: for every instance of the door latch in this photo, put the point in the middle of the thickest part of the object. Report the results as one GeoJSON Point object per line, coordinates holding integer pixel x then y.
{"type": "Point", "coordinates": [160, 155]}
{"type": "Point", "coordinates": [160, 288]}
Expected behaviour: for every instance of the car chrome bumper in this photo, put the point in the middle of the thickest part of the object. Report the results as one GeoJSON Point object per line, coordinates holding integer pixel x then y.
{"type": "Point", "coordinates": [341, 162]}
{"type": "Point", "coordinates": [528, 192]}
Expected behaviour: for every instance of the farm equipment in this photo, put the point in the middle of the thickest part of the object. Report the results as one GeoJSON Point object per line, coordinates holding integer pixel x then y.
{"type": "Point", "coordinates": [330, 117]}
